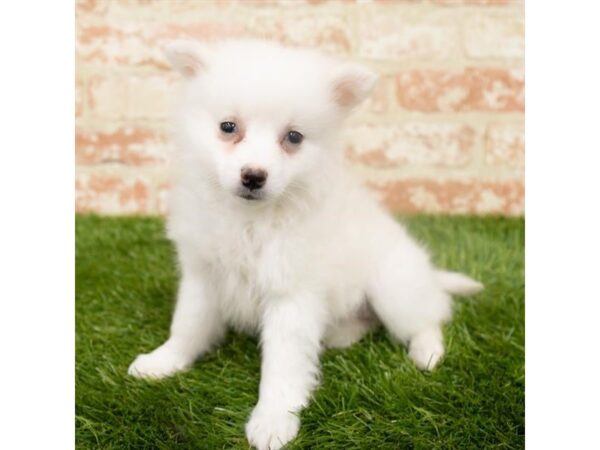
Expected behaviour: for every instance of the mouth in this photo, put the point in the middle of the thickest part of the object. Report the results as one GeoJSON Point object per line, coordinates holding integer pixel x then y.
{"type": "Point", "coordinates": [250, 195]}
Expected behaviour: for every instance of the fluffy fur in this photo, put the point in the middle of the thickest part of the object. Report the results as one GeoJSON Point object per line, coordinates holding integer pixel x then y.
{"type": "Point", "coordinates": [307, 261]}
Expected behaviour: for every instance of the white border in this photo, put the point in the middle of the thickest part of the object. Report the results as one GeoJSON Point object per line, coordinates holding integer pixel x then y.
{"type": "Point", "coordinates": [563, 225]}
{"type": "Point", "coordinates": [37, 234]}
{"type": "Point", "coordinates": [37, 225]}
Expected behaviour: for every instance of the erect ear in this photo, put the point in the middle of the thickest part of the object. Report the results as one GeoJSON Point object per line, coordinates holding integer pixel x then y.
{"type": "Point", "coordinates": [187, 57]}
{"type": "Point", "coordinates": [352, 84]}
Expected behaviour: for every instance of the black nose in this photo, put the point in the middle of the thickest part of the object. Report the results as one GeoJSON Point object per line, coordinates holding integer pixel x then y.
{"type": "Point", "coordinates": [253, 178]}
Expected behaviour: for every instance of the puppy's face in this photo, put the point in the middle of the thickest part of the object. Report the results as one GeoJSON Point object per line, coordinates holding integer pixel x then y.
{"type": "Point", "coordinates": [260, 117]}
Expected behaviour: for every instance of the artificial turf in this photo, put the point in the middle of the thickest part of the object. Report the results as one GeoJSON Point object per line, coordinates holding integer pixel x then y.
{"type": "Point", "coordinates": [371, 395]}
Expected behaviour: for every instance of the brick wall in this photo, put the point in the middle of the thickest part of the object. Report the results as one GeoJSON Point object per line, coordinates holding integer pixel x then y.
{"type": "Point", "coordinates": [443, 131]}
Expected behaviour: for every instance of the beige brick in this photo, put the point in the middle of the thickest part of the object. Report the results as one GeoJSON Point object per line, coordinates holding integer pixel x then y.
{"type": "Point", "coordinates": [389, 2]}
{"type": "Point", "coordinates": [162, 198]}
{"type": "Point", "coordinates": [125, 144]}
{"type": "Point", "coordinates": [471, 89]}
{"type": "Point", "coordinates": [108, 194]}
{"type": "Point", "coordinates": [391, 35]}
{"type": "Point", "coordinates": [90, 8]}
{"type": "Point", "coordinates": [183, 10]}
{"type": "Point", "coordinates": [380, 98]}
{"type": "Point", "coordinates": [495, 35]}
{"type": "Point", "coordinates": [79, 90]}
{"type": "Point", "coordinates": [505, 145]}
{"type": "Point", "coordinates": [156, 10]}
{"type": "Point", "coordinates": [122, 97]}
{"type": "Point", "coordinates": [141, 44]}
{"type": "Point", "coordinates": [288, 4]}
{"type": "Point", "coordinates": [123, 84]}
{"type": "Point", "coordinates": [478, 2]}
{"type": "Point", "coordinates": [415, 143]}
{"type": "Point", "coordinates": [328, 30]}
{"type": "Point", "coordinates": [452, 197]}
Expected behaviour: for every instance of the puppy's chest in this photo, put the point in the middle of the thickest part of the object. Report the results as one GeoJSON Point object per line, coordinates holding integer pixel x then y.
{"type": "Point", "coordinates": [249, 266]}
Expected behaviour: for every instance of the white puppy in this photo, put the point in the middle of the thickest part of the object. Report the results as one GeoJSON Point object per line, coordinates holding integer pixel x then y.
{"type": "Point", "coordinates": [274, 237]}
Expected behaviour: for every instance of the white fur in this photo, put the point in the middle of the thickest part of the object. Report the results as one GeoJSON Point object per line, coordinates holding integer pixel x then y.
{"type": "Point", "coordinates": [315, 261]}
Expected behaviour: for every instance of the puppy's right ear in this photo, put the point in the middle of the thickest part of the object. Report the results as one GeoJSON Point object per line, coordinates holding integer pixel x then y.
{"type": "Point", "coordinates": [187, 57]}
{"type": "Point", "coordinates": [352, 84]}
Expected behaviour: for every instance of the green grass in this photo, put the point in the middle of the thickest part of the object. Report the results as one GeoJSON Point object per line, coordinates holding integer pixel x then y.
{"type": "Point", "coordinates": [371, 396]}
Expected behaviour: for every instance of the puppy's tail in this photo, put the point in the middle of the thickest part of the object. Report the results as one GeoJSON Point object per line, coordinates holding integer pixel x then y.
{"type": "Point", "coordinates": [458, 283]}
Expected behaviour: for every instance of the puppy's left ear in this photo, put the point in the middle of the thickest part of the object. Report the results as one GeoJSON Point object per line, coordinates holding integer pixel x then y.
{"type": "Point", "coordinates": [352, 84]}
{"type": "Point", "coordinates": [187, 57]}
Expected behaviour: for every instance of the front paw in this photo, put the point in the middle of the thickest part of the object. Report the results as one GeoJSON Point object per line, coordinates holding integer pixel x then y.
{"type": "Point", "coordinates": [160, 363]}
{"type": "Point", "coordinates": [270, 430]}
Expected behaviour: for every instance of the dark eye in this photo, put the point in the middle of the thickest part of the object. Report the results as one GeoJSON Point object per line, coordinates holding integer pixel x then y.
{"type": "Point", "coordinates": [228, 127]}
{"type": "Point", "coordinates": [294, 137]}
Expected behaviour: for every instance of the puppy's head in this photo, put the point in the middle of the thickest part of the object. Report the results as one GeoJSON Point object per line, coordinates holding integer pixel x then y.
{"type": "Point", "coordinates": [260, 117]}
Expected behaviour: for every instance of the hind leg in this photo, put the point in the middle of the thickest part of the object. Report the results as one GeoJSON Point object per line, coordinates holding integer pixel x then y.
{"type": "Point", "coordinates": [406, 296]}
{"type": "Point", "coordinates": [351, 330]}
{"type": "Point", "coordinates": [426, 348]}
